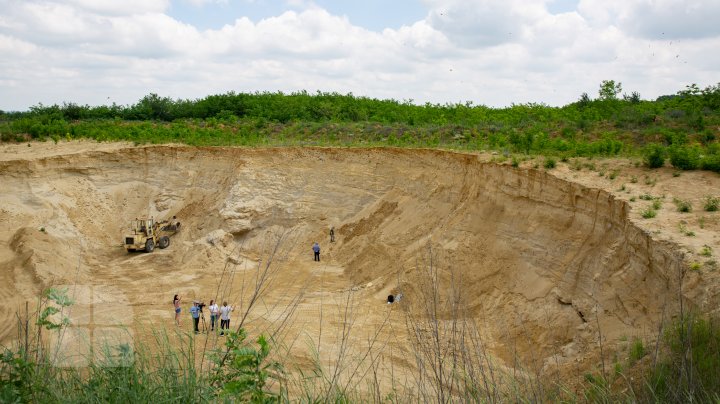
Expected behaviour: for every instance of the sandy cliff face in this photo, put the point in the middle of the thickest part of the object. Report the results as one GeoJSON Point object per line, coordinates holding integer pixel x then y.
{"type": "Point", "coordinates": [541, 260]}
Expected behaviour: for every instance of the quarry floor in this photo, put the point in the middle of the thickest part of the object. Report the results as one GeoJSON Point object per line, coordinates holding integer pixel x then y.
{"type": "Point", "coordinates": [547, 265]}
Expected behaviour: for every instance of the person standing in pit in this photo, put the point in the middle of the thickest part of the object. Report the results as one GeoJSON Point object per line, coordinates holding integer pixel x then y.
{"type": "Point", "coordinates": [332, 234]}
{"type": "Point", "coordinates": [195, 311]}
{"type": "Point", "coordinates": [225, 318]}
{"type": "Point", "coordinates": [176, 303]}
{"type": "Point", "coordinates": [316, 250]}
{"type": "Point", "coordinates": [214, 314]}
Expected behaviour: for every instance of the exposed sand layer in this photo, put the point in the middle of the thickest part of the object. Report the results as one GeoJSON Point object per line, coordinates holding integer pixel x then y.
{"type": "Point", "coordinates": [542, 259]}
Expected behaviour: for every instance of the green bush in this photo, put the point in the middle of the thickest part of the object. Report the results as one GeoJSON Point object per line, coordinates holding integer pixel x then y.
{"type": "Point", "coordinates": [654, 156]}
{"type": "Point", "coordinates": [549, 163]}
{"type": "Point", "coordinates": [682, 206]}
{"type": "Point", "coordinates": [685, 158]}
{"type": "Point", "coordinates": [711, 204]}
{"type": "Point", "coordinates": [648, 213]}
{"type": "Point", "coordinates": [711, 163]}
{"type": "Point", "coordinates": [647, 197]}
{"type": "Point", "coordinates": [245, 370]}
{"type": "Point", "coordinates": [706, 251]}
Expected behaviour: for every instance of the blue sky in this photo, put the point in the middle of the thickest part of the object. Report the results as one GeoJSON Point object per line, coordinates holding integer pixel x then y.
{"type": "Point", "coordinates": [488, 52]}
{"type": "Point", "coordinates": [374, 15]}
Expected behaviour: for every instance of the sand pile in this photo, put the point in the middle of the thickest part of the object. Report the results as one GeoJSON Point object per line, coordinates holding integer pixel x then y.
{"type": "Point", "coordinates": [539, 261]}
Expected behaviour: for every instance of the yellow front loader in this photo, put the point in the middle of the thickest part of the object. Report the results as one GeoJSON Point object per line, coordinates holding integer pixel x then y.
{"type": "Point", "coordinates": [146, 234]}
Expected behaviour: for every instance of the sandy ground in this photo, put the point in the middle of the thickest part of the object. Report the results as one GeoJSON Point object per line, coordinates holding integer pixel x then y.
{"type": "Point", "coordinates": [541, 263]}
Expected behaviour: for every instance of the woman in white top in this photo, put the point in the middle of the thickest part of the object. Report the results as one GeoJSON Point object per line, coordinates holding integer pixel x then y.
{"type": "Point", "coordinates": [225, 318]}
{"type": "Point", "coordinates": [214, 314]}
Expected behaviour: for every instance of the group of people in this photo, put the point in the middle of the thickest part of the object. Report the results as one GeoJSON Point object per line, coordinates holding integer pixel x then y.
{"type": "Point", "coordinates": [216, 312]}
{"type": "Point", "coordinates": [222, 313]}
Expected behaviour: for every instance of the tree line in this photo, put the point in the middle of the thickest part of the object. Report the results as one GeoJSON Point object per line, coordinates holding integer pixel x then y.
{"type": "Point", "coordinates": [682, 127]}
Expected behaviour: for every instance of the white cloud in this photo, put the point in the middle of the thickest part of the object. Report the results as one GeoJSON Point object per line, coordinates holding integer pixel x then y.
{"type": "Point", "coordinates": [479, 23]}
{"type": "Point", "coordinates": [124, 7]}
{"type": "Point", "coordinates": [657, 19]}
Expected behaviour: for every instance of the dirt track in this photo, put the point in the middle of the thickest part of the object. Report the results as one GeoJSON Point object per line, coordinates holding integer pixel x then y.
{"type": "Point", "coordinates": [541, 258]}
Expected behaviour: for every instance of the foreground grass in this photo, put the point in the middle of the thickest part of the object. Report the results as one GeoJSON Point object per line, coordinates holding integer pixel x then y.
{"type": "Point", "coordinates": [451, 364]}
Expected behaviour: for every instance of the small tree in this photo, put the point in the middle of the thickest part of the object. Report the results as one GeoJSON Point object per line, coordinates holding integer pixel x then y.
{"type": "Point", "coordinates": [584, 100]}
{"type": "Point", "coordinates": [609, 90]}
{"type": "Point", "coordinates": [633, 98]}
{"type": "Point", "coordinates": [654, 156]}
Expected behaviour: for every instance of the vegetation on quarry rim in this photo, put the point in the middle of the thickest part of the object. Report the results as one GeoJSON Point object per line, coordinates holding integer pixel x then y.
{"type": "Point", "coordinates": [684, 127]}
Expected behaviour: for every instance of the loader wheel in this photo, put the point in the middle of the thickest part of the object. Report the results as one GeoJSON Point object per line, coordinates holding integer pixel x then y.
{"type": "Point", "coordinates": [149, 245]}
{"type": "Point", "coordinates": [164, 242]}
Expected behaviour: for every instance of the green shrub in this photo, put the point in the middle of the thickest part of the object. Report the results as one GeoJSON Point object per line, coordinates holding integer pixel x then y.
{"type": "Point", "coordinates": [245, 370]}
{"type": "Point", "coordinates": [711, 204]}
{"type": "Point", "coordinates": [684, 157]}
{"type": "Point", "coordinates": [656, 204]}
{"type": "Point", "coordinates": [654, 156]}
{"type": "Point", "coordinates": [648, 213]}
{"type": "Point", "coordinates": [711, 163]}
{"type": "Point", "coordinates": [706, 251]}
{"type": "Point", "coordinates": [549, 163]}
{"type": "Point", "coordinates": [682, 206]}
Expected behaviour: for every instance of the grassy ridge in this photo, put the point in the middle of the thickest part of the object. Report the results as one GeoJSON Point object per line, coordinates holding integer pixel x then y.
{"type": "Point", "coordinates": [683, 127]}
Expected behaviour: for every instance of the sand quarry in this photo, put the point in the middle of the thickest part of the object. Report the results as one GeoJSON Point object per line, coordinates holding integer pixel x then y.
{"type": "Point", "coordinates": [542, 262]}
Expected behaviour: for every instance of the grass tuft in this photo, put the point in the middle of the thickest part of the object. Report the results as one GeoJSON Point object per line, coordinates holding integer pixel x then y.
{"type": "Point", "coordinates": [682, 206]}
{"type": "Point", "coordinates": [648, 213]}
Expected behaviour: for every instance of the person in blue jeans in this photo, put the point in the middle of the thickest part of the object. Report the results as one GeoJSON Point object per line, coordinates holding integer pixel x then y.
{"type": "Point", "coordinates": [195, 311]}
{"type": "Point", "coordinates": [214, 314]}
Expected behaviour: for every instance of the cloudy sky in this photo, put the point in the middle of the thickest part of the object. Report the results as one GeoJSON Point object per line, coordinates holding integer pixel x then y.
{"type": "Point", "coordinates": [491, 52]}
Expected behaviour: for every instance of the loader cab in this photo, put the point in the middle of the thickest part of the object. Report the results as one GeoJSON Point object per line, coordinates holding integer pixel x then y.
{"type": "Point", "coordinates": [142, 227]}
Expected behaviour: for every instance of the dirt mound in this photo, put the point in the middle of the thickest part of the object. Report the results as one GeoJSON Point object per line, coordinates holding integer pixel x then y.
{"type": "Point", "coordinates": [542, 261]}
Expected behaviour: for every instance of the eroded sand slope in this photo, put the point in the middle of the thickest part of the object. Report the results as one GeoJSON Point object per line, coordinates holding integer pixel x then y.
{"type": "Point", "coordinates": [542, 258]}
